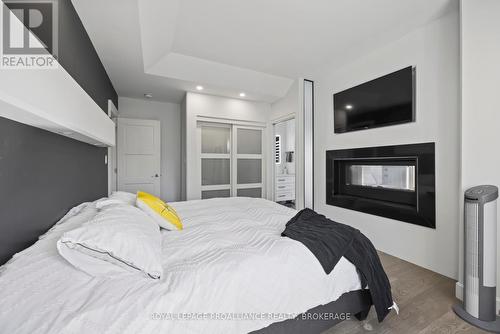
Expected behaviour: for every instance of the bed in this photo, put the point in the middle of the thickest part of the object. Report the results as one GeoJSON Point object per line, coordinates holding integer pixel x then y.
{"type": "Point", "coordinates": [228, 271]}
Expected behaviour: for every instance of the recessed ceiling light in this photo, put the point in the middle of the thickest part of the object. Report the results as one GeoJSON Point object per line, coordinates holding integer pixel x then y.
{"type": "Point", "coordinates": [348, 107]}
{"type": "Point", "coordinates": [243, 94]}
{"type": "Point", "coordinates": [148, 95]}
{"type": "Point", "coordinates": [199, 87]}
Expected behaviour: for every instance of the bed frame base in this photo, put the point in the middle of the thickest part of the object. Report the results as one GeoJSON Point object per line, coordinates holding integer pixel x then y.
{"type": "Point", "coordinates": [355, 303]}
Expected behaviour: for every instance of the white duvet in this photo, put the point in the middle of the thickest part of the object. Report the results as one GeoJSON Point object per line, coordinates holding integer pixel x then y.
{"type": "Point", "coordinates": [228, 271]}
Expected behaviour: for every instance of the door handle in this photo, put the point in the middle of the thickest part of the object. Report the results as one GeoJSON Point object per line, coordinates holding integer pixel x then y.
{"type": "Point", "coordinates": [156, 175]}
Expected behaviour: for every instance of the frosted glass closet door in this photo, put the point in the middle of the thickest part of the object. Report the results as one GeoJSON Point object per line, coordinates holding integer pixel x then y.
{"type": "Point", "coordinates": [249, 164]}
{"type": "Point", "coordinates": [215, 160]}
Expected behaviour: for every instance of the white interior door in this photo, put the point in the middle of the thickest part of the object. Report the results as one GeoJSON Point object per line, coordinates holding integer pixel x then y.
{"type": "Point", "coordinates": [138, 155]}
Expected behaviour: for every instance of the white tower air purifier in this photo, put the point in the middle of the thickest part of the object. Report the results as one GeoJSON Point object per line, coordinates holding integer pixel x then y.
{"type": "Point", "coordinates": [480, 259]}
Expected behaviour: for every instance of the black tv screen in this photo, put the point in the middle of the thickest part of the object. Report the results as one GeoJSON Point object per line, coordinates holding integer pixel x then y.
{"type": "Point", "coordinates": [387, 100]}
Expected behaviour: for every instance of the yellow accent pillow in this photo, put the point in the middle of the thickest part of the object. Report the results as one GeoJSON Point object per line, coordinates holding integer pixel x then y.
{"type": "Point", "coordinates": [161, 212]}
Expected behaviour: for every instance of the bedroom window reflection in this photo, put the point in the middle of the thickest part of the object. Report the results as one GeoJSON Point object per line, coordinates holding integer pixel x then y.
{"type": "Point", "coordinates": [382, 176]}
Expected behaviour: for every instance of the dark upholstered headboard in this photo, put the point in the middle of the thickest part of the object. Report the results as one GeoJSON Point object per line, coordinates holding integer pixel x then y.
{"type": "Point", "coordinates": [42, 174]}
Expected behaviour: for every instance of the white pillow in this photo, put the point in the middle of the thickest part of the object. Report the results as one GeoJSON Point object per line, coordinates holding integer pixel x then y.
{"type": "Point", "coordinates": [106, 201]}
{"type": "Point", "coordinates": [117, 197]}
{"type": "Point", "coordinates": [125, 197]}
{"type": "Point", "coordinates": [119, 239]}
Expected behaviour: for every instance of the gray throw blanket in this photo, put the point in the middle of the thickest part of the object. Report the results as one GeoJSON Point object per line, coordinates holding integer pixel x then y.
{"type": "Point", "coordinates": [329, 241]}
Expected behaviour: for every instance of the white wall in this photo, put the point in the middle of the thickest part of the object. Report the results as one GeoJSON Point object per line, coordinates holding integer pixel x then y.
{"type": "Point", "coordinates": [201, 105]}
{"type": "Point", "coordinates": [290, 104]}
{"type": "Point", "coordinates": [480, 63]}
{"type": "Point", "coordinates": [434, 50]}
{"type": "Point", "coordinates": [169, 115]}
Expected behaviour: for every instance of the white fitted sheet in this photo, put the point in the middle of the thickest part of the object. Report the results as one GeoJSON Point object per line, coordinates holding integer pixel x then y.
{"type": "Point", "coordinates": [229, 262]}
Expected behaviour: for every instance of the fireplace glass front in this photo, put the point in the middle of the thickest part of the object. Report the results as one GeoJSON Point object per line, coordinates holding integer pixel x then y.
{"type": "Point", "coordinates": [380, 176]}
{"type": "Point", "coordinates": [390, 181]}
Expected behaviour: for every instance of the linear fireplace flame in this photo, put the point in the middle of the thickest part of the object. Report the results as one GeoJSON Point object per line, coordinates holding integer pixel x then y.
{"type": "Point", "coordinates": [380, 176]}
{"type": "Point", "coordinates": [397, 182]}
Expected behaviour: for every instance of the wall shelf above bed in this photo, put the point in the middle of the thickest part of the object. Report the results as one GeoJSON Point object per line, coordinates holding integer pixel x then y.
{"type": "Point", "coordinates": [52, 100]}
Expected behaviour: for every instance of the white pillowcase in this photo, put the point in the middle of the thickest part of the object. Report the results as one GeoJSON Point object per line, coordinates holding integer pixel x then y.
{"type": "Point", "coordinates": [117, 197]}
{"type": "Point", "coordinates": [125, 197]}
{"type": "Point", "coordinates": [119, 239]}
{"type": "Point", "coordinates": [106, 202]}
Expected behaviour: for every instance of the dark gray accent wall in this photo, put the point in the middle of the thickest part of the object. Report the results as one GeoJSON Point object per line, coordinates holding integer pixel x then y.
{"type": "Point", "coordinates": [79, 58]}
{"type": "Point", "coordinates": [42, 174]}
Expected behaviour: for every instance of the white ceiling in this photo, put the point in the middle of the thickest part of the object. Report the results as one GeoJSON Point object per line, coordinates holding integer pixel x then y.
{"type": "Point", "coordinates": [167, 47]}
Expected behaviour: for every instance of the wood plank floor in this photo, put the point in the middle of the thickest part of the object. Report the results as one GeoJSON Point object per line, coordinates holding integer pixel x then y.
{"type": "Point", "coordinates": [424, 299]}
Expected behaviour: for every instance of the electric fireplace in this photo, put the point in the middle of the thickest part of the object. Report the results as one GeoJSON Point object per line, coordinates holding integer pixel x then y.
{"type": "Point", "coordinates": [396, 182]}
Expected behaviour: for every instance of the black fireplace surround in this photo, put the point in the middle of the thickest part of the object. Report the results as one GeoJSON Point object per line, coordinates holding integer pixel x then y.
{"type": "Point", "coordinates": [396, 182]}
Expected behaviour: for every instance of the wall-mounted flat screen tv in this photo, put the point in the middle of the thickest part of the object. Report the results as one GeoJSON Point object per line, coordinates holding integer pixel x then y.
{"type": "Point", "coordinates": [387, 100]}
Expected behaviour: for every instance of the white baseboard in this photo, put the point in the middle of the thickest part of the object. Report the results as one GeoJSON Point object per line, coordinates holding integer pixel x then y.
{"type": "Point", "coordinates": [459, 293]}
